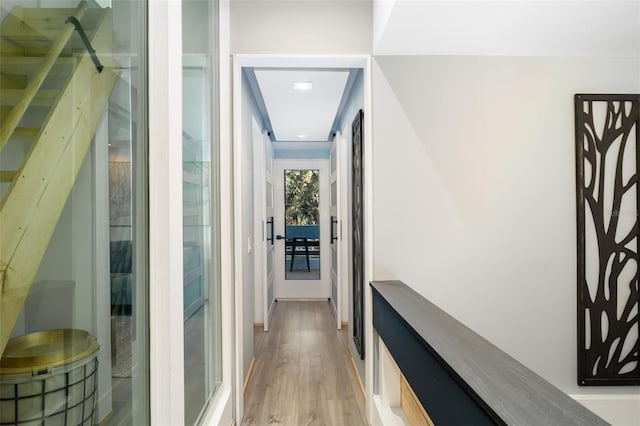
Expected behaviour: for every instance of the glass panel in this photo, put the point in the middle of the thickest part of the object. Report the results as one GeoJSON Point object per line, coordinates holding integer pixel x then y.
{"type": "Point", "coordinates": [302, 221]}
{"type": "Point", "coordinates": [269, 194]}
{"type": "Point", "coordinates": [334, 194]}
{"type": "Point", "coordinates": [201, 284]}
{"type": "Point", "coordinates": [85, 276]}
{"type": "Point", "coordinates": [269, 261]}
{"type": "Point", "coordinates": [334, 159]}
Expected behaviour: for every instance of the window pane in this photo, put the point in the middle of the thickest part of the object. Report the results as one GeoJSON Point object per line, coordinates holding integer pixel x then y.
{"type": "Point", "coordinates": [76, 220]}
{"type": "Point", "coordinates": [302, 220]}
{"type": "Point", "coordinates": [202, 354]}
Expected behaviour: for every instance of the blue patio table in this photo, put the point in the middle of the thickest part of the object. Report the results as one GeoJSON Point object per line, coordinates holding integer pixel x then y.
{"type": "Point", "coordinates": [299, 236]}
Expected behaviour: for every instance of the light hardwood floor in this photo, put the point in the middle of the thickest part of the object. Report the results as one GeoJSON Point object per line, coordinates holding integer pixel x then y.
{"type": "Point", "coordinates": [303, 374]}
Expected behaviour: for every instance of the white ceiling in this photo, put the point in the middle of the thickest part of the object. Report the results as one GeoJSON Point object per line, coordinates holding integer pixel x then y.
{"type": "Point", "coordinates": [294, 113]}
{"type": "Point", "coordinates": [601, 28]}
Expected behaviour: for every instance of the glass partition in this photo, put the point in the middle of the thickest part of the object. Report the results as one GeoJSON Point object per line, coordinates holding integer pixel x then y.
{"type": "Point", "coordinates": [201, 286]}
{"type": "Point", "coordinates": [74, 214]}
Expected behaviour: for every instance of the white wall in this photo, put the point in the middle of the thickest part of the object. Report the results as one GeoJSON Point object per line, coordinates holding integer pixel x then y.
{"type": "Point", "coordinates": [474, 194]}
{"type": "Point", "coordinates": [301, 27]}
{"type": "Point", "coordinates": [561, 28]}
{"type": "Point", "coordinates": [354, 103]}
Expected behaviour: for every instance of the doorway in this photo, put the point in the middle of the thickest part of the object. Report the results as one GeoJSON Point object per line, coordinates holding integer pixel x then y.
{"type": "Point", "coordinates": [253, 233]}
{"type": "Point", "coordinates": [302, 229]}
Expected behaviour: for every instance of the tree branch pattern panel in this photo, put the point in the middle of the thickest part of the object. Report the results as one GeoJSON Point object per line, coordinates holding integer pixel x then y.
{"type": "Point", "coordinates": [607, 164]}
{"type": "Point", "coordinates": [358, 228]}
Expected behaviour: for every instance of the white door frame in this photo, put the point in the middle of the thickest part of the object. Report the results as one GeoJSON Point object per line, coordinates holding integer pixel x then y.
{"type": "Point", "coordinates": [166, 316]}
{"type": "Point", "coordinates": [338, 177]}
{"type": "Point", "coordinates": [299, 61]}
{"type": "Point", "coordinates": [263, 238]}
{"type": "Point", "coordinates": [302, 289]}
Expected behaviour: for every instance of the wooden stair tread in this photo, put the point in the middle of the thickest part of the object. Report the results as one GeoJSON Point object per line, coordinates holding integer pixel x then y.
{"type": "Point", "coordinates": [25, 134]}
{"type": "Point", "coordinates": [53, 13]}
{"type": "Point", "coordinates": [32, 35]}
{"type": "Point", "coordinates": [48, 18]}
{"type": "Point", "coordinates": [7, 175]}
{"type": "Point", "coordinates": [11, 97]}
{"type": "Point", "coordinates": [40, 47]}
{"type": "Point", "coordinates": [26, 65]}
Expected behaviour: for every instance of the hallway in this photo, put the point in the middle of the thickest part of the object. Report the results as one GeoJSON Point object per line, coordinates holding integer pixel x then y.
{"type": "Point", "coordinates": [303, 374]}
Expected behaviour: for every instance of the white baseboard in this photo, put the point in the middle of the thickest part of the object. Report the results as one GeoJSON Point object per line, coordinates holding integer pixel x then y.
{"type": "Point", "coordinates": [220, 411]}
{"type": "Point", "coordinates": [104, 405]}
{"type": "Point", "coordinates": [619, 410]}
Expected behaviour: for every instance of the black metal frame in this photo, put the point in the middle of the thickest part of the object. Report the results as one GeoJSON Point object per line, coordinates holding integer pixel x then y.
{"type": "Point", "coordinates": [334, 234]}
{"type": "Point", "coordinates": [601, 344]}
{"type": "Point", "coordinates": [358, 233]}
{"type": "Point", "coordinates": [41, 393]}
{"type": "Point", "coordinates": [270, 222]}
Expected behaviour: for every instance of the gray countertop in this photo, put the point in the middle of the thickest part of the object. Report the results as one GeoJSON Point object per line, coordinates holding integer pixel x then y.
{"type": "Point", "coordinates": [515, 393]}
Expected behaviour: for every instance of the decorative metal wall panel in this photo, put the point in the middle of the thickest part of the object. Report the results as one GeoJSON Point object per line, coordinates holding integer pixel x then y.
{"type": "Point", "coordinates": [607, 164]}
{"type": "Point", "coordinates": [358, 246]}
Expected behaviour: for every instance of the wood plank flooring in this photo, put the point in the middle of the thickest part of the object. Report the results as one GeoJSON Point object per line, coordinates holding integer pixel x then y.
{"type": "Point", "coordinates": [303, 375]}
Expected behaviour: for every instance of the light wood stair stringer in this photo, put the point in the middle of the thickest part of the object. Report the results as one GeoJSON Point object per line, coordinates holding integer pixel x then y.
{"type": "Point", "coordinates": [30, 210]}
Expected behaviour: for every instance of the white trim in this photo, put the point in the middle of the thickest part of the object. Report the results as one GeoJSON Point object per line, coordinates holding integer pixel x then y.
{"type": "Point", "coordinates": [166, 326]}
{"type": "Point", "coordinates": [302, 61]}
{"type": "Point", "coordinates": [368, 235]}
{"type": "Point", "coordinates": [337, 177]}
{"type": "Point", "coordinates": [237, 239]}
{"type": "Point", "coordinates": [220, 411]}
{"type": "Point", "coordinates": [260, 244]}
{"type": "Point", "coordinates": [344, 225]}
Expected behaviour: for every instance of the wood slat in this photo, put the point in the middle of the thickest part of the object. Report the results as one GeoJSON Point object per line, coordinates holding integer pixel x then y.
{"type": "Point", "coordinates": [25, 134]}
{"type": "Point", "coordinates": [26, 33]}
{"type": "Point", "coordinates": [40, 47]}
{"type": "Point", "coordinates": [46, 19]}
{"type": "Point", "coordinates": [11, 97]}
{"type": "Point", "coordinates": [25, 36]}
{"type": "Point", "coordinates": [32, 15]}
{"type": "Point", "coordinates": [24, 65]}
{"type": "Point", "coordinates": [7, 175]}
{"type": "Point", "coordinates": [8, 48]}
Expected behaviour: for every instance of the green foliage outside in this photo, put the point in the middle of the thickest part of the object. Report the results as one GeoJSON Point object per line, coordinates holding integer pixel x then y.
{"type": "Point", "coordinates": [302, 197]}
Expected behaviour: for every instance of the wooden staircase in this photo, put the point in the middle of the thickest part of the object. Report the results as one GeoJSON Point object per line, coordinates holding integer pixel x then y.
{"type": "Point", "coordinates": [51, 100]}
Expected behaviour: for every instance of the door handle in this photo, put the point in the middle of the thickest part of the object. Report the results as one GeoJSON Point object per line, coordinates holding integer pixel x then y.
{"type": "Point", "coordinates": [270, 222]}
{"type": "Point", "coordinates": [334, 235]}
{"type": "Point", "coordinates": [280, 237]}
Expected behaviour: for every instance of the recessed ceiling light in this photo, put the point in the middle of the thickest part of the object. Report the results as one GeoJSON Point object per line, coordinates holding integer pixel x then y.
{"type": "Point", "coordinates": [302, 136]}
{"type": "Point", "coordinates": [302, 85]}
